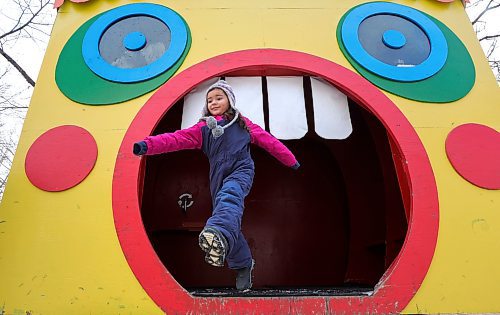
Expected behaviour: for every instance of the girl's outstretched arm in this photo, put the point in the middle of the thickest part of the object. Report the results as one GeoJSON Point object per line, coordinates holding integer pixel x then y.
{"type": "Point", "coordinates": [272, 145]}
{"type": "Point", "coordinates": [189, 138]}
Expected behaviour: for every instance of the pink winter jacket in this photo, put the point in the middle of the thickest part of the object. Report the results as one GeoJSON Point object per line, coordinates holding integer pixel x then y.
{"type": "Point", "coordinates": [191, 138]}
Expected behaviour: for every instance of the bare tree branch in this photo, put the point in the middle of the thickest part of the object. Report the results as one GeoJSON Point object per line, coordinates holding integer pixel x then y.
{"type": "Point", "coordinates": [489, 37]}
{"type": "Point", "coordinates": [25, 25]}
{"type": "Point", "coordinates": [18, 27]}
{"type": "Point", "coordinates": [482, 14]}
{"type": "Point", "coordinates": [18, 67]}
{"type": "Point", "coordinates": [13, 107]}
{"type": "Point", "coordinates": [490, 6]}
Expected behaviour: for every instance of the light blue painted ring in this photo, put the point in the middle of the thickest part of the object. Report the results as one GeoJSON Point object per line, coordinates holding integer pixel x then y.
{"type": "Point", "coordinates": [178, 42]}
{"type": "Point", "coordinates": [434, 62]}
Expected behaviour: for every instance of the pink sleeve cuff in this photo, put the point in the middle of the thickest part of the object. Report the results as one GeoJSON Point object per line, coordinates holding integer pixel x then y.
{"type": "Point", "coordinates": [189, 138]}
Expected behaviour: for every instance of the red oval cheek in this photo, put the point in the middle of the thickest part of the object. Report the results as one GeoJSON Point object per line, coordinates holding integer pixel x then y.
{"type": "Point", "coordinates": [400, 282]}
{"type": "Point", "coordinates": [474, 152]}
{"type": "Point", "coordinates": [61, 158]}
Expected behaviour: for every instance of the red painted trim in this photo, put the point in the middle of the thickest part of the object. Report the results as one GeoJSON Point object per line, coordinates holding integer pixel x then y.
{"type": "Point", "coordinates": [402, 174]}
{"type": "Point", "coordinates": [400, 282]}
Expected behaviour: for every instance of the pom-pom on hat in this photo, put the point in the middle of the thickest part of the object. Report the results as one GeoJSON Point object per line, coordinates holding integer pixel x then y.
{"type": "Point", "coordinates": [224, 86]}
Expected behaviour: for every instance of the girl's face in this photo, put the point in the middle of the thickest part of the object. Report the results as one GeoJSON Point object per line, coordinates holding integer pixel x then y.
{"type": "Point", "coordinates": [217, 102]}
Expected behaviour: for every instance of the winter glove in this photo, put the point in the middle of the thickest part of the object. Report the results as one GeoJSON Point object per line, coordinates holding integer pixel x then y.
{"type": "Point", "coordinates": [140, 148]}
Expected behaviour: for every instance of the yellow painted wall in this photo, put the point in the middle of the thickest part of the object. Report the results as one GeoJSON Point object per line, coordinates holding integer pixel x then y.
{"type": "Point", "coordinates": [59, 253]}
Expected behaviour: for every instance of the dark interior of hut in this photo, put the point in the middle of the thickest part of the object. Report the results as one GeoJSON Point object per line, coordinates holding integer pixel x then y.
{"type": "Point", "coordinates": [332, 227]}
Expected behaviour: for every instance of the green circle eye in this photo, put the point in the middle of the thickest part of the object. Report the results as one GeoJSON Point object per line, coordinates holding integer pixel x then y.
{"type": "Point", "coordinates": [91, 83]}
{"type": "Point", "coordinates": [453, 80]}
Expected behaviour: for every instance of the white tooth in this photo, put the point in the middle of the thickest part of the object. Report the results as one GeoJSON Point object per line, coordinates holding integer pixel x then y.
{"type": "Point", "coordinates": [287, 114]}
{"type": "Point", "coordinates": [249, 98]}
{"type": "Point", "coordinates": [194, 102]}
{"type": "Point", "coordinates": [287, 110]}
{"type": "Point", "coordinates": [331, 112]}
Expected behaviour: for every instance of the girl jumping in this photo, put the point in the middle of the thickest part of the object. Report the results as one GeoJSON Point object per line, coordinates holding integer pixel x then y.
{"type": "Point", "coordinates": [224, 135]}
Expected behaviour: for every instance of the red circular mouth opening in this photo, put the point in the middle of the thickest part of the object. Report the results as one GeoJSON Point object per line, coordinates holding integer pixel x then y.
{"type": "Point", "coordinates": [399, 283]}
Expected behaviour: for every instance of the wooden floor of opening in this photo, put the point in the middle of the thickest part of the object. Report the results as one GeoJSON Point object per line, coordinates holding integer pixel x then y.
{"type": "Point", "coordinates": [232, 292]}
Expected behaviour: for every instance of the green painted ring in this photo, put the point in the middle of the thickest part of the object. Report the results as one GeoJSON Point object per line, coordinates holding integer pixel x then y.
{"type": "Point", "coordinates": [455, 79]}
{"type": "Point", "coordinates": [78, 83]}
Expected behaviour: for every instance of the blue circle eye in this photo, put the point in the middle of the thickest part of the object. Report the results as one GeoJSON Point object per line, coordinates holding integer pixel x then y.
{"type": "Point", "coordinates": [393, 39]}
{"type": "Point", "coordinates": [134, 41]}
{"type": "Point", "coordinates": [370, 43]}
{"type": "Point", "coordinates": [159, 40]}
{"type": "Point", "coordinates": [406, 52]}
{"type": "Point", "coordinates": [122, 53]}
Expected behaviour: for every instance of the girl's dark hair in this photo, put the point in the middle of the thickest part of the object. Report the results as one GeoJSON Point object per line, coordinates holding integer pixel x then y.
{"type": "Point", "coordinates": [229, 115]}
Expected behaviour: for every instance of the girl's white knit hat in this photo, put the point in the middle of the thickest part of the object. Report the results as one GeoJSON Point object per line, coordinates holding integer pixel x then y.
{"type": "Point", "coordinates": [224, 86]}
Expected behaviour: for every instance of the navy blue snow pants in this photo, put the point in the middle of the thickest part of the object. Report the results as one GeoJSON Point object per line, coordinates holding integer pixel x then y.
{"type": "Point", "coordinates": [228, 195]}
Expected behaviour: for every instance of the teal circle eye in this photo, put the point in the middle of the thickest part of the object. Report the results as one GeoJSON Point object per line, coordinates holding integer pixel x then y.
{"type": "Point", "coordinates": [166, 33]}
{"type": "Point", "coordinates": [392, 46]}
{"type": "Point", "coordinates": [122, 54]}
{"type": "Point", "coordinates": [394, 39]}
{"type": "Point", "coordinates": [358, 40]}
{"type": "Point", "coordinates": [134, 41]}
